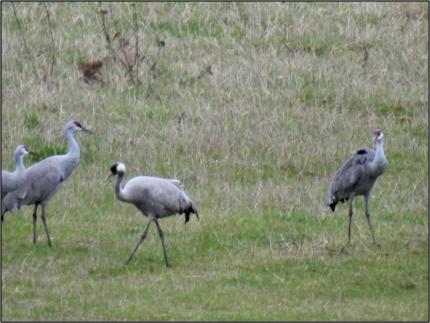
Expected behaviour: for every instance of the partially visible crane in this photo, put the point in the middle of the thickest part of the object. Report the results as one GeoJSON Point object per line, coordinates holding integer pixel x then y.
{"type": "Point", "coordinates": [11, 180]}
{"type": "Point", "coordinates": [43, 179]}
{"type": "Point", "coordinates": [155, 197]}
{"type": "Point", "coordinates": [357, 177]}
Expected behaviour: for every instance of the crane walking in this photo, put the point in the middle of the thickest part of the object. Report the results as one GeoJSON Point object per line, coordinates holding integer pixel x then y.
{"type": "Point", "coordinates": [11, 180]}
{"type": "Point", "coordinates": [155, 197]}
{"type": "Point", "coordinates": [43, 179]}
{"type": "Point", "coordinates": [357, 177]}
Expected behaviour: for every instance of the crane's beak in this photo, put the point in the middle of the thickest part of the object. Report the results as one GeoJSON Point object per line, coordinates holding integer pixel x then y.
{"type": "Point", "coordinates": [32, 153]}
{"type": "Point", "coordinates": [109, 176]}
{"type": "Point", "coordinates": [86, 130]}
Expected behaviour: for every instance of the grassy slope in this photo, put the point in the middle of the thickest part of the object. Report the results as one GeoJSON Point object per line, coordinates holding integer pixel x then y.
{"type": "Point", "coordinates": [290, 97]}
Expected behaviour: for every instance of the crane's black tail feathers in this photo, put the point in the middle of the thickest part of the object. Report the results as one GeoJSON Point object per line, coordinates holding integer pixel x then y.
{"type": "Point", "coordinates": [191, 209]}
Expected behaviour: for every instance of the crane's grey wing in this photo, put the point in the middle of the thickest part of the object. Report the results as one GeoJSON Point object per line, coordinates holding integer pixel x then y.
{"type": "Point", "coordinates": [347, 178]}
{"type": "Point", "coordinates": [351, 172]}
{"type": "Point", "coordinates": [172, 199]}
{"type": "Point", "coordinates": [176, 182]}
{"type": "Point", "coordinates": [154, 195]}
{"type": "Point", "coordinates": [40, 185]}
{"type": "Point", "coordinates": [166, 196]}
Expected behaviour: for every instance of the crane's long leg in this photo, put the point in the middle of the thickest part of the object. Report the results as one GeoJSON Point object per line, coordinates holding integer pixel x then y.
{"type": "Point", "coordinates": [142, 237]}
{"type": "Point", "coordinates": [366, 199]}
{"type": "Point", "coordinates": [162, 242]}
{"type": "Point", "coordinates": [350, 220]}
{"type": "Point", "coordinates": [34, 222]}
{"type": "Point", "coordinates": [46, 227]}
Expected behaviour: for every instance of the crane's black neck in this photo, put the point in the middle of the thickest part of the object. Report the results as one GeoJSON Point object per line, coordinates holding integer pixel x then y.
{"type": "Point", "coordinates": [118, 190]}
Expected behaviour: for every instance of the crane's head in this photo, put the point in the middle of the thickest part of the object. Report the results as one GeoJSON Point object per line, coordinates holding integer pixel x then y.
{"type": "Point", "coordinates": [117, 168]}
{"type": "Point", "coordinates": [74, 126]}
{"type": "Point", "coordinates": [21, 150]}
{"type": "Point", "coordinates": [378, 135]}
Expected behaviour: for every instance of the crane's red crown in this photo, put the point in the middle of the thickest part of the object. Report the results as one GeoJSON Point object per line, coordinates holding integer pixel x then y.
{"type": "Point", "coordinates": [377, 132]}
{"type": "Point", "coordinates": [78, 124]}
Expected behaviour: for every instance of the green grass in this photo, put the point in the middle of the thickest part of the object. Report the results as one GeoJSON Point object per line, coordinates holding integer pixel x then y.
{"type": "Point", "coordinates": [290, 96]}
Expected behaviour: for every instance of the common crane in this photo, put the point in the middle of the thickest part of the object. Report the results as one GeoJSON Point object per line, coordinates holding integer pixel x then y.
{"type": "Point", "coordinates": [357, 177]}
{"type": "Point", "coordinates": [155, 197]}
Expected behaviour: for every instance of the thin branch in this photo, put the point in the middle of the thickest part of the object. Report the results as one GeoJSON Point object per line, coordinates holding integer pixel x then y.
{"type": "Point", "coordinates": [136, 56]}
{"type": "Point", "coordinates": [109, 44]}
{"type": "Point", "coordinates": [102, 14]}
{"type": "Point", "coordinates": [52, 40]}
{"type": "Point", "coordinates": [115, 22]}
{"type": "Point", "coordinates": [24, 41]}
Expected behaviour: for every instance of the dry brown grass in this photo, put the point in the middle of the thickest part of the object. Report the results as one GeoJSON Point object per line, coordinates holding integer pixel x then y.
{"type": "Point", "coordinates": [293, 90]}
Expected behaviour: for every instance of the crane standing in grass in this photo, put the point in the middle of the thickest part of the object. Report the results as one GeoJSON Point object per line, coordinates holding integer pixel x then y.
{"type": "Point", "coordinates": [155, 197]}
{"type": "Point", "coordinates": [11, 180]}
{"type": "Point", "coordinates": [43, 179]}
{"type": "Point", "coordinates": [357, 177]}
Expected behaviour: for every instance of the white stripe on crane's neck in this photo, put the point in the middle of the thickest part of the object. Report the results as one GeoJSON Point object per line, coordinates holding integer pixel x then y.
{"type": "Point", "coordinates": [71, 141]}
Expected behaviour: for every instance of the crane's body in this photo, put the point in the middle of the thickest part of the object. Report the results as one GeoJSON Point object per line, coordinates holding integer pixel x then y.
{"type": "Point", "coordinates": [10, 181]}
{"type": "Point", "coordinates": [354, 178]}
{"type": "Point", "coordinates": [357, 177]}
{"type": "Point", "coordinates": [155, 197]}
{"type": "Point", "coordinates": [45, 178]}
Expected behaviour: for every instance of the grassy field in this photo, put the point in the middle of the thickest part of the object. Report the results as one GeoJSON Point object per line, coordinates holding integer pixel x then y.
{"type": "Point", "coordinates": [253, 107]}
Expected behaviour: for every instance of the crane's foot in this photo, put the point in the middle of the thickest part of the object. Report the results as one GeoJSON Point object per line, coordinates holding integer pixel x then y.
{"type": "Point", "coordinates": [128, 260]}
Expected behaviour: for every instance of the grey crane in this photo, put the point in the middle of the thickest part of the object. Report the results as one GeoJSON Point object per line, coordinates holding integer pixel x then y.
{"type": "Point", "coordinates": [43, 179]}
{"type": "Point", "coordinates": [11, 180]}
{"type": "Point", "coordinates": [357, 177]}
{"type": "Point", "coordinates": [155, 197]}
